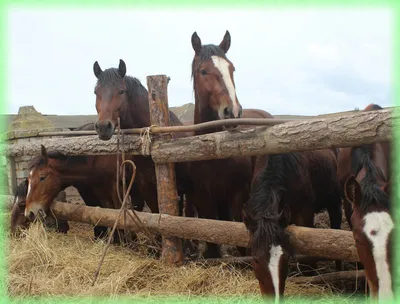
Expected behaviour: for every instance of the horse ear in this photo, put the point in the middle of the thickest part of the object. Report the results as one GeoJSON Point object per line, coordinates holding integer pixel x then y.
{"type": "Point", "coordinates": [352, 190]}
{"type": "Point", "coordinates": [44, 154]}
{"type": "Point", "coordinates": [284, 218]}
{"type": "Point", "coordinates": [97, 69]}
{"type": "Point", "coordinates": [386, 188]}
{"type": "Point", "coordinates": [122, 68]}
{"type": "Point", "coordinates": [226, 42]}
{"type": "Point", "coordinates": [196, 43]}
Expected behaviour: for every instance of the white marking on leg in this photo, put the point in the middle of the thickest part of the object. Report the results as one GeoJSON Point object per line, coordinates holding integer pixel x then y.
{"type": "Point", "coordinates": [223, 67]}
{"type": "Point", "coordinates": [377, 228]}
{"type": "Point", "coordinates": [275, 256]}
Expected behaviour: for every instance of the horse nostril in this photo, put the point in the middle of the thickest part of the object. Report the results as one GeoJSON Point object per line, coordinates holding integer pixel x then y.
{"type": "Point", "coordinates": [109, 125]}
{"type": "Point", "coordinates": [31, 216]}
{"type": "Point", "coordinates": [226, 112]}
{"type": "Point", "coordinates": [96, 126]}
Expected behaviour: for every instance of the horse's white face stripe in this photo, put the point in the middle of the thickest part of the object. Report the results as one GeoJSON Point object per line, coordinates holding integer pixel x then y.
{"type": "Point", "coordinates": [223, 67]}
{"type": "Point", "coordinates": [29, 184]}
{"type": "Point", "coordinates": [380, 224]}
{"type": "Point", "coordinates": [275, 257]}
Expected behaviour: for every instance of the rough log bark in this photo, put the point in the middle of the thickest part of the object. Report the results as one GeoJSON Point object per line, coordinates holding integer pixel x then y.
{"type": "Point", "coordinates": [172, 252]}
{"type": "Point", "coordinates": [331, 278]}
{"type": "Point", "coordinates": [326, 243]}
{"type": "Point", "coordinates": [337, 131]}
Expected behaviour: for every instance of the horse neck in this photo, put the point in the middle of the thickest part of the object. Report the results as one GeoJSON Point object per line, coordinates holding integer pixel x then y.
{"type": "Point", "coordinates": [201, 115]}
{"type": "Point", "coordinates": [380, 158]}
{"type": "Point", "coordinates": [135, 112]}
{"type": "Point", "coordinates": [71, 174]}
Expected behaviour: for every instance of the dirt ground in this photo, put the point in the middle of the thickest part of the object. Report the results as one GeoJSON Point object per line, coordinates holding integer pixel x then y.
{"type": "Point", "coordinates": [44, 262]}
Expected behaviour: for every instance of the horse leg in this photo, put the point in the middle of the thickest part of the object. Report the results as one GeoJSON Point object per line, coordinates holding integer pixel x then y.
{"type": "Point", "coordinates": [207, 208]}
{"type": "Point", "coordinates": [334, 208]}
{"type": "Point", "coordinates": [238, 202]}
{"type": "Point", "coordinates": [91, 199]}
{"type": "Point", "coordinates": [61, 225]}
{"type": "Point", "coordinates": [306, 219]}
{"type": "Point", "coordinates": [191, 247]}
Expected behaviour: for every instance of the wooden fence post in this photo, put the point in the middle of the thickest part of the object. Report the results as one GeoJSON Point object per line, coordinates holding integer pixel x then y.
{"type": "Point", "coordinates": [172, 252]}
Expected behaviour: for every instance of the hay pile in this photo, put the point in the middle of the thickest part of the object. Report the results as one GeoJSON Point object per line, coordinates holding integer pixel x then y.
{"type": "Point", "coordinates": [50, 264]}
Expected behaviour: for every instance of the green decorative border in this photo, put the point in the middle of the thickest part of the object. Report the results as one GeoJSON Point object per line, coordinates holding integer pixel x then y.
{"type": "Point", "coordinates": [5, 5]}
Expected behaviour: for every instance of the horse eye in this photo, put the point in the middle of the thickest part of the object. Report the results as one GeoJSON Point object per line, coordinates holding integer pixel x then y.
{"type": "Point", "coordinates": [203, 72]}
{"type": "Point", "coordinates": [42, 178]}
{"type": "Point", "coordinates": [121, 92]}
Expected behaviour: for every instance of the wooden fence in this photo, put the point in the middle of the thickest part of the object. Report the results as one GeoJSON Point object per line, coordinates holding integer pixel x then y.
{"type": "Point", "coordinates": [300, 135]}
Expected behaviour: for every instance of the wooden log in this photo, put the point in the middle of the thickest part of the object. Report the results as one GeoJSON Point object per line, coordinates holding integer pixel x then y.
{"type": "Point", "coordinates": [311, 241]}
{"type": "Point", "coordinates": [336, 131]}
{"type": "Point", "coordinates": [297, 258]}
{"type": "Point", "coordinates": [331, 278]}
{"type": "Point", "coordinates": [172, 252]}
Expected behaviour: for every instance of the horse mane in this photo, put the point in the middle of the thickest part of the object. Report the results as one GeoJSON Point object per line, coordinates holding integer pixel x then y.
{"type": "Point", "coordinates": [372, 195]}
{"type": "Point", "coordinates": [111, 76]}
{"type": "Point", "coordinates": [22, 189]}
{"type": "Point", "coordinates": [207, 51]}
{"type": "Point", "coordinates": [263, 211]}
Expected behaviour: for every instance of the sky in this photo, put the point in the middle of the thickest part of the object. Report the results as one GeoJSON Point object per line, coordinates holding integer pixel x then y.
{"type": "Point", "coordinates": [298, 62]}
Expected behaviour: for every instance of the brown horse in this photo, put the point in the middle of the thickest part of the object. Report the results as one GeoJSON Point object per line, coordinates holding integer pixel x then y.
{"type": "Point", "coordinates": [221, 186]}
{"type": "Point", "coordinates": [348, 166]}
{"type": "Point", "coordinates": [367, 191]}
{"type": "Point", "coordinates": [123, 96]}
{"type": "Point", "coordinates": [93, 176]}
{"type": "Point", "coordinates": [18, 219]}
{"type": "Point", "coordinates": [287, 189]}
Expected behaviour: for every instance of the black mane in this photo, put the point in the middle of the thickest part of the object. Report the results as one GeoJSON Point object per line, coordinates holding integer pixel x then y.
{"type": "Point", "coordinates": [263, 210]}
{"type": "Point", "coordinates": [111, 77]}
{"type": "Point", "coordinates": [22, 189]}
{"type": "Point", "coordinates": [372, 195]}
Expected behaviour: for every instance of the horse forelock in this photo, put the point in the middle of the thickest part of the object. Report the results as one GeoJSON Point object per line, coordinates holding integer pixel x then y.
{"type": "Point", "coordinates": [373, 196]}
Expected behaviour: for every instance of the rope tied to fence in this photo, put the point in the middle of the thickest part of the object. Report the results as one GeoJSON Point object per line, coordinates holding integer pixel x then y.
{"type": "Point", "coordinates": [145, 138]}
{"type": "Point", "coordinates": [126, 200]}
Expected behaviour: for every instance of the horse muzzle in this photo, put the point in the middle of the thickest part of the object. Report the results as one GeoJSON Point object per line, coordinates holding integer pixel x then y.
{"type": "Point", "coordinates": [105, 129]}
{"type": "Point", "coordinates": [35, 211]}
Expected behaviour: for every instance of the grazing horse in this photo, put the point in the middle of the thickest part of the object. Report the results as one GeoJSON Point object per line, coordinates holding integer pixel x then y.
{"type": "Point", "coordinates": [18, 219]}
{"type": "Point", "coordinates": [367, 192]}
{"type": "Point", "coordinates": [221, 186]}
{"type": "Point", "coordinates": [348, 165]}
{"type": "Point", "coordinates": [287, 189]}
{"type": "Point", "coordinates": [93, 176]}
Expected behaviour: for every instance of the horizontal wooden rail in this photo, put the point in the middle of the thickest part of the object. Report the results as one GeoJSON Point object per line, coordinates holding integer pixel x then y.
{"type": "Point", "coordinates": [336, 131]}
{"type": "Point", "coordinates": [323, 243]}
{"type": "Point", "coordinates": [186, 128]}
